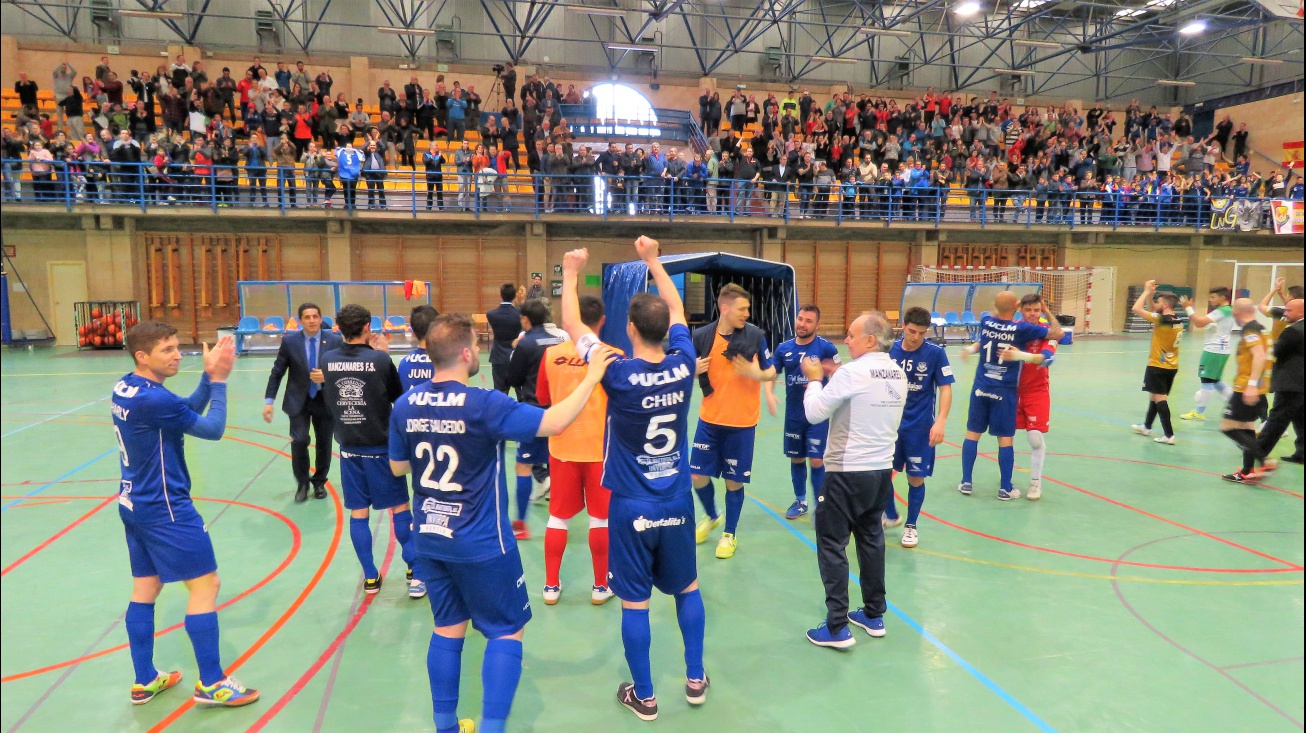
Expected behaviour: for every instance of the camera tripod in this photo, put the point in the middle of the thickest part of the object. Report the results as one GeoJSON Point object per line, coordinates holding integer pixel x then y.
{"type": "Point", "coordinates": [494, 98]}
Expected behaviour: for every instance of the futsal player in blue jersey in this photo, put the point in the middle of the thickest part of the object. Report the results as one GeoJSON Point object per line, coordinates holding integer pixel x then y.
{"type": "Point", "coordinates": [415, 367]}
{"type": "Point", "coordinates": [167, 541]}
{"type": "Point", "coordinates": [804, 442]}
{"type": "Point", "coordinates": [450, 436]}
{"type": "Point", "coordinates": [645, 465]}
{"type": "Point", "coordinates": [928, 373]}
{"type": "Point", "coordinates": [993, 396]}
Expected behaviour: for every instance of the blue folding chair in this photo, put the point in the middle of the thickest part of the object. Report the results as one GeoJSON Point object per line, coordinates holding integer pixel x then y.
{"type": "Point", "coordinates": [248, 326]}
{"type": "Point", "coordinates": [377, 325]}
{"type": "Point", "coordinates": [398, 324]}
{"type": "Point", "coordinates": [951, 320]}
{"type": "Point", "coordinates": [273, 325]}
{"type": "Point", "coordinates": [938, 322]}
{"type": "Point", "coordinates": [972, 324]}
{"type": "Point", "coordinates": [328, 323]}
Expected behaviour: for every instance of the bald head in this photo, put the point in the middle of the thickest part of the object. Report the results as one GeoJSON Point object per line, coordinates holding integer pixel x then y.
{"type": "Point", "coordinates": [1292, 310]}
{"type": "Point", "coordinates": [1005, 304]}
{"type": "Point", "coordinates": [1244, 310]}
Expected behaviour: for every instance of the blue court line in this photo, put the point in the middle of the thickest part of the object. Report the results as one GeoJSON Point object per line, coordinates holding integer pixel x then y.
{"type": "Point", "coordinates": [52, 417]}
{"type": "Point", "coordinates": [39, 489]}
{"type": "Point", "coordinates": [931, 638]}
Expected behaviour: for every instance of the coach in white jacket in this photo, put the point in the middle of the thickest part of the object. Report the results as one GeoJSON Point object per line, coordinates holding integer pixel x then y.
{"type": "Point", "coordinates": [863, 403]}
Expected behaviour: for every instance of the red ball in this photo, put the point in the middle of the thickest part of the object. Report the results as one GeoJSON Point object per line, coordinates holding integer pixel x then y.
{"type": "Point", "coordinates": [96, 340]}
{"type": "Point", "coordinates": [96, 313]}
{"type": "Point", "coordinates": [82, 341]}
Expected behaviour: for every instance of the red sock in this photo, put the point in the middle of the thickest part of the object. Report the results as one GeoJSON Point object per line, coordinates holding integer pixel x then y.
{"type": "Point", "coordinates": [599, 554]}
{"type": "Point", "coordinates": [555, 542]}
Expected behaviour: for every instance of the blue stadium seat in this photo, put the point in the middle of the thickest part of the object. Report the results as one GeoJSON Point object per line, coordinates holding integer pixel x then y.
{"type": "Point", "coordinates": [938, 322]}
{"type": "Point", "coordinates": [273, 324]}
{"type": "Point", "coordinates": [328, 322]}
{"type": "Point", "coordinates": [398, 324]}
{"type": "Point", "coordinates": [248, 326]}
{"type": "Point", "coordinates": [952, 320]}
{"type": "Point", "coordinates": [971, 323]}
{"type": "Point", "coordinates": [376, 324]}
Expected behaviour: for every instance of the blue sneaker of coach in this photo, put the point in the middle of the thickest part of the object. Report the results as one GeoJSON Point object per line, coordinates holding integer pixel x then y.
{"type": "Point", "coordinates": [796, 510]}
{"type": "Point", "coordinates": [872, 626]}
{"type": "Point", "coordinates": [821, 636]}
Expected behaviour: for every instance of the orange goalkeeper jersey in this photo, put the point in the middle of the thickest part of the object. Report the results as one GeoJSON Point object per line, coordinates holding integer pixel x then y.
{"type": "Point", "coordinates": [561, 370]}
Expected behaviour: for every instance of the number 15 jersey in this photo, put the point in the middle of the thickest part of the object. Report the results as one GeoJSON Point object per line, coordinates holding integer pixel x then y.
{"type": "Point", "coordinates": [645, 452]}
{"type": "Point", "coordinates": [452, 435]}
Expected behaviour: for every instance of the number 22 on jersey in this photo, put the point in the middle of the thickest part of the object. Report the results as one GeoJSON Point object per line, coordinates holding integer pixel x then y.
{"type": "Point", "coordinates": [438, 455]}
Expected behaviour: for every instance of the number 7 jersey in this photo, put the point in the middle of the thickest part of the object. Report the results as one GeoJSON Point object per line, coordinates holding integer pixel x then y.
{"type": "Point", "coordinates": [452, 436]}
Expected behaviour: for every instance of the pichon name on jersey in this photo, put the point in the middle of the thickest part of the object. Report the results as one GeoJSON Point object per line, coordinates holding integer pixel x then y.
{"type": "Point", "coordinates": [427, 425]}
{"type": "Point", "coordinates": [1000, 331]}
{"type": "Point", "coordinates": [351, 366]}
{"type": "Point", "coordinates": [656, 379]}
{"type": "Point", "coordinates": [437, 399]}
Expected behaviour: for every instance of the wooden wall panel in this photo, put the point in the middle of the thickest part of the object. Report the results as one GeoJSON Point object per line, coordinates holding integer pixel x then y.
{"type": "Point", "coordinates": [831, 284]}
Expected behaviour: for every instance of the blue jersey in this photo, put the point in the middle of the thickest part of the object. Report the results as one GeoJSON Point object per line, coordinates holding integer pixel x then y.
{"type": "Point", "coordinates": [415, 368]}
{"type": "Point", "coordinates": [452, 435]}
{"type": "Point", "coordinates": [992, 371]}
{"type": "Point", "coordinates": [151, 422]}
{"type": "Point", "coordinates": [927, 369]}
{"type": "Point", "coordinates": [646, 444]}
{"type": "Point", "coordinates": [789, 359]}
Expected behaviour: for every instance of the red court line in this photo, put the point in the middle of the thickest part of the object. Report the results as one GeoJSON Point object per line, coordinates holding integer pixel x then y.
{"type": "Point", "coordinates": [289, 612]}
{"type": "Point", "coordinates": [1290, 566]}
{"type": "Point", "coordinates": [1178, 468]}
{"type": "Point", "coordinates": [56, 483]}
{"type": "Point", "coordinates": [67, 528]}
{"type": "Point", "coordinates": [294, 552]}
{"type": "Point", "coordinates": [330, 651]}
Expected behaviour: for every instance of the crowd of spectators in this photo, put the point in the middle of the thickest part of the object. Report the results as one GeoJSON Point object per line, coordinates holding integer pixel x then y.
{"type": "Point", "coordinates": [189, 137]}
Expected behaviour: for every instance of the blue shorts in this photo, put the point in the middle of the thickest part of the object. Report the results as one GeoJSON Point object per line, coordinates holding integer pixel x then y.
{"type": "Point", "coordinates": [913, 454]}
{"type": "Point", "coordinates": [175, 551]}
{"type": "Point", "coordinates": [722, 451]}
{"type": "Point", "coordinates": [805, 440]}
{"type": "Point", "coordinates": [994, 410]}
{"type": "Point", "coordinates": [367, 481]}
{"type": "Point", "coordinates": [490, 593]}
{"type": "Point", "coordinates": [650, 545]}
{"type": "Point", "coordinates": [533, 451]}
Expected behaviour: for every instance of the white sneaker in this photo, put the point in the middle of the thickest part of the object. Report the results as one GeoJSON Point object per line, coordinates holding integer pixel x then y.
{"type": "Point", "coordinates": [891, 523]}
{"type": "Point", "coordinates": [551, 594]}
{"type": "Point", "coordinates": [1164, 440]}
{"type": "Point", "coordinates": [541, 492]}
{"type": "Point", "coordinates": [1141, 429]}
{"type": "Point", "coordinates": [600, 594]}
{"type": "Point", "coordinates": [965, 488]}
{"type": "Point", "coordinates": [1035, 489]}
{"type": "Point", "coordinates": [909, 538]}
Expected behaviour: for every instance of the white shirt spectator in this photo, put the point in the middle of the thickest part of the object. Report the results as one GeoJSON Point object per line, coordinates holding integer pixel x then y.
{"type": "Point", "coordinates": [863, 403]}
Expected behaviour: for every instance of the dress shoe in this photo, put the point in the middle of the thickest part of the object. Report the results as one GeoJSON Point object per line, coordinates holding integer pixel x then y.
{"type": "Point", "coordinates": [301, 494]}
{"type": "Point", "coordinates": [319, 491]}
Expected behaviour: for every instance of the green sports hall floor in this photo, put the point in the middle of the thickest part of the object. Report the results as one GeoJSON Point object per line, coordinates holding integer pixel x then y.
{"type": "Point", "coordinates": [1141, 594]}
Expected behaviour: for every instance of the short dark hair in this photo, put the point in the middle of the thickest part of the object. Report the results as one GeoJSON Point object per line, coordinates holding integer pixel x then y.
{"type": "Point", "coordinates": [1294, 292]}
{"type": "Point", "coordinates": [352, 319]}
{"type": "Point", "coordinates": [1223, 292]}
{"type": "Point", "coordinates": [1170, 299]}
{"type": "Point", "coordinates": [651, 317]}
{"type": "Point", "coordinates": [146, 335]}
{"type": "Point", "coordinates": [305, 306]}
{"type": "Point", "coordinates": [591, 310]}
{"type": "Point", "coordinates": [448, 335]}
{"type": "Point", "coordinates": [507, 292]}
{"type": "Point", "coordinates": [731, 292]}
{"type": "Point", "coordinates": [420, 320]}
{"type": "Point", "coordinates": [810, 308]}
{"type": "Point", "coordinates": [1030, 299]}
{"type": "Point", "coordinates": [536, 311]}
{"type": "Point", "coordinates": [917, 316]}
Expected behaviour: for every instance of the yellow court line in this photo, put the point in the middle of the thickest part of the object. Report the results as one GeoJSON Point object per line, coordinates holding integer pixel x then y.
{"type": "Point", "coordinates": [1071, 573]}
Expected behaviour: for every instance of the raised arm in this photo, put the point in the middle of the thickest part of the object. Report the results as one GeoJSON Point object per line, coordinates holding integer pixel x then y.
{"type": "Point", "coordinates": [1198, 320]}
{"type": "Point", "coordinates": [1264, 305]}
{"type": "Point", "coordinates": [572, 263]}
{"type": "Point", "coordinates": [1144, 299]}
{"type": "Point", "coordinates": [648, 251]}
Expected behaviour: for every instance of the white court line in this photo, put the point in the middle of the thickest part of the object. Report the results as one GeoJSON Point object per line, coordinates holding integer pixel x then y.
{"type": "Point", "coordinates": [48, 419]}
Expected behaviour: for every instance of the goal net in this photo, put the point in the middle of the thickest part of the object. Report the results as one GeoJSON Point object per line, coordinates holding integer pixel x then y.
{"type": "Point", "coordinates": [1087, 293]}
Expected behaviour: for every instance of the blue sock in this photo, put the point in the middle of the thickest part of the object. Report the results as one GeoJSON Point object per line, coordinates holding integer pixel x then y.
{"type": "Point", "coordinates": [403, 524]}
{"type": "Point", "coordinates": [818, 480]}
{"type": "Point", "coordinates": [798, 475]}
{"type": "Point", "coordinates": [734, 507]}
{"type": "Point", "coordinates": [891, 505]}
{"type": "Point", "coordinates": [915, 500]}
{"type": "Point", "coordinates": [1006, 464]}
{"type": "Point", "coordinates": [500, 673]}
{"type": "Point", "coordinates": [637, 637]}
{"type": "Point", "coordinates": [360, 533]}
{"type": "Point", "coordinates": [523, 496]}
{"type": "Point", "coordinates": [443, 666]}
{"type": "Point", "coordinates": [693, 622]}
{"type": "Point", "coordinates": [707, 497]}
{"type": "Point", "coordinates": [203, 631]}
{"type": "Point", "coordinates": [140, 637]}
{"type": "Point", "coordinates": [969, 451]}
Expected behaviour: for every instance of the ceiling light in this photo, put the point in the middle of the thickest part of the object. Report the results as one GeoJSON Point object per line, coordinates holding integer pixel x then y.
{"type": "Point", "coordinates": [1255, 60]}
{"type": "Point", "coordinates": [885, 32]}
{"type": "Point", "coordinates": [630, 47]}
{"type": "Point", "coordinates": [1029, 4]}
{"type": "Point", "coordinates": [586, 10]}
{"type": "Point", "coordinates": [833, 60]}
{"type": "Point", "coordinates": [1193, 28]}
{"type": "Point", "coordinates": [968, 8]}
{"type": "Point", "coordinates": [1176, 83]}
{"type": "Point", "coordinates": [156, 14]}
{"type": "Point", "coordinates": [1034, 44]}
{"type": "Point", "coordinates": [405, 31]}
{"type": "Point", "coordinates": [1015, 72]}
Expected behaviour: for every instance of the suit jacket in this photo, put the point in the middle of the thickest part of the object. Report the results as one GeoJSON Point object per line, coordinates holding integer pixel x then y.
{"type": "Point", "coordinates": [505, 324]}
{"type": "Point", "coordinates": [292, 358]}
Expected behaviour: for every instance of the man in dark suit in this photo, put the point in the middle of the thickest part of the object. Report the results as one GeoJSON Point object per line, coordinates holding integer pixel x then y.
{"type": "Point", "coordinates": [299, 355]}
{"type": "Point", "coordinates": [505, 325]}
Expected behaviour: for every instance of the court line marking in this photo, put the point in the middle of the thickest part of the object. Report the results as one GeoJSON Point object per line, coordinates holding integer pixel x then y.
{"type": "Point", "coordinates": [66, 529]}
{"type": "Point", "coordinates": [48, 484]}
{"type": "Point", "coordinates": [1262, 664]}
{"type": "Point", "coordinates": [931, 638]}
{"type": "Point", "coordinates": [52, 417]}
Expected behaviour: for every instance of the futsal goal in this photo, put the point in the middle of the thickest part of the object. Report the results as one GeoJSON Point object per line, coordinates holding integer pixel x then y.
{"type": "Point", "coordinates": [1086, 293]}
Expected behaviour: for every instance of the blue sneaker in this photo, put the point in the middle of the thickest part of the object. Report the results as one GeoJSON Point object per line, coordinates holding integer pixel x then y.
{"type": "Point", "coordinates": [821, 636]}
{"type": "Point", "coordinates": [873, 626]}
{"type": "Point", "coordinates": [416, 589]}
{"type": "Point", "coordinates": [796, 509]}
{"type": "Point", "coordinates": [1008, 495]}
{"type": "Point", "coordinates": [965, 488]}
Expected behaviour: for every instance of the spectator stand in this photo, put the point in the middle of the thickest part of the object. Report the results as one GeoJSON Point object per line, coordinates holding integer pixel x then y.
{"type": "Point", "coordinates": [268, 309]}
{"type": "Point", "coordinates": [956, 308]}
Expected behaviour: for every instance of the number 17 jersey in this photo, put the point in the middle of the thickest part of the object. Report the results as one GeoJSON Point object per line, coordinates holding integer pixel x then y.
{"type": "Point", "coordinates": [645, 451]}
